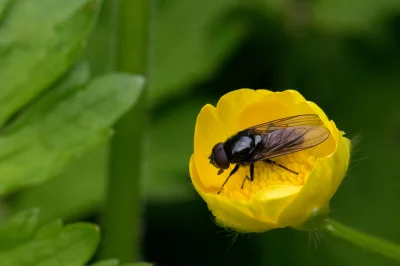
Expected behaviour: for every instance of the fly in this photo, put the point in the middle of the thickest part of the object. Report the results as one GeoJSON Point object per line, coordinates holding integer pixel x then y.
{"type": "Point", "coordinates": [266, 141]}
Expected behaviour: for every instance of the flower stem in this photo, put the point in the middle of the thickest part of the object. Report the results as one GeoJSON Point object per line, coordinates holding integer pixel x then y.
{"type": "Point", "coordinates": [122, 223]}
{"type": "Point", "coordinates": [363, 240]}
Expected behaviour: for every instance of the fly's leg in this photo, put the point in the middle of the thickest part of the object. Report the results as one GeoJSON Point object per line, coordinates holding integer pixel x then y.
{"type": "Point", "coordinates": [251, 178]}
{"type": "Point", "coordinates": [281, 166]}
{"type": "Point", "coordinates": [229, 176]}
{"type": "Point", "coordinates": [251, 172]}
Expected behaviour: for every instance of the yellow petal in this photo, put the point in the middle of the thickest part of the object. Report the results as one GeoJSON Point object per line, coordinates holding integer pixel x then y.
{"type": "Point", "coordinates": [211, 131]}
{"type": "Point", "coordinates": [274, 199]}
{"type": "Point", "coordinates": [272, 106]}
{"type": "Point", "coordinates": [232, 104]}
{"type": "Point", "coordinates": [320, 186]}
{"type": "Point", "coordinates": [243, 217]}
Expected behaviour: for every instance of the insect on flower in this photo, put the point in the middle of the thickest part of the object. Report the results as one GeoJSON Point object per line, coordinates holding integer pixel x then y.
{"type": "Point", "coordinates": [263, 142]}
{"type": "Point", "coordinates": [302, 139]}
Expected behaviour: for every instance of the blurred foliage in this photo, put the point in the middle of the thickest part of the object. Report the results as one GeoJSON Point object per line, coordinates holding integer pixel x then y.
{"type": "Point", "coordinates": [62, 124]}
{"type": "Point", "coordinates": [35, 52]}
{"type": "Point", "coordinates": [203, 38]}
{"type": "Point", "coordinates": [353, 17]}
{"type": "Point", "coordinates": [77, 192]}
{"type": "Point", "coordinates": [168, 161]}
{"type": "Point", "coordinates": [49, 118]}
{"type": "Point", "coordinates": [116, 263]}
{"type": "Point", "coordinates": [24, 242]}
{"type": "Point", "coordinates": [342, 55]}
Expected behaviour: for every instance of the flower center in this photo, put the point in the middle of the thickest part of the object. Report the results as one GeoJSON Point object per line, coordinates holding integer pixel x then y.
{"type": "Point", "coordinates": [266, 174]}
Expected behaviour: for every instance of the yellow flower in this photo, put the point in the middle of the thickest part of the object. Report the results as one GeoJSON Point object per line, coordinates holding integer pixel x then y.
{"type": "Point", "coordinates": [276, 198]}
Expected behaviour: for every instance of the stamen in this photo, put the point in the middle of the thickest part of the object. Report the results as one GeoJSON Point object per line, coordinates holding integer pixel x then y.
{"type": "Point", "coordinates": [269, 175]}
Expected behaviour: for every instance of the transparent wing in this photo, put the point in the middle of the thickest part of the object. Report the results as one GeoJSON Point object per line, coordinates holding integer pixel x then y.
{"type": "Point", "coordinates": [286, 122]}
{"type": "Point", "coordinates": [289, 140]}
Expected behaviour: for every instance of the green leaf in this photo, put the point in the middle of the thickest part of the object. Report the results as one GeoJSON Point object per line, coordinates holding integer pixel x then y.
{"type": "Point", "coordinates": [197, 45]}
{"type": "Point", "coordinates": [23, 243]}
{"type": "Point", "coordinates": [19, 228]}
{"type": "Point", "coordinates": [73, 245]}
{"type": "Point", "coordinates": [78, 191]}
{"type": "Point", "coordinates": [34, 51]}
{"type": "Point", "coordinates": [62, 128]}
{"type": "Point", "coordinates": [75, 80]}
{"type": "Point", "coordinates": [49, 230]}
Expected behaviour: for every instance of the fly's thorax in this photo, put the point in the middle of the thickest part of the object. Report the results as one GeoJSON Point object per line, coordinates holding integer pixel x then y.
{"type": "Point", "coordinates": [257, 139]}
{"type": "Point", "coordinates": [239, 148]}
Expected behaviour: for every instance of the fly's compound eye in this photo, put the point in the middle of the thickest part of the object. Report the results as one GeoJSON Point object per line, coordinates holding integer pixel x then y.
{"type": "Point", "coordinates": [220, 157]}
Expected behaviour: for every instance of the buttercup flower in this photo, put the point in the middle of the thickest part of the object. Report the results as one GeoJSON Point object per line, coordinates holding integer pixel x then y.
{"type": "Point", "coordinates": [276, 198]}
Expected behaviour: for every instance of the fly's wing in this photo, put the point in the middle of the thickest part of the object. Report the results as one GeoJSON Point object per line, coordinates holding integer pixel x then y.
{"type": "Point", "coordinates": [286, 122]}
{"type": "Point", "coordinates": [289, 140]}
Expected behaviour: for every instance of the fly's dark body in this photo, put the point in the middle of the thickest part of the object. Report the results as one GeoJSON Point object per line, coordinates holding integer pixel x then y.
{"type": "Point", "coordinates": [239, 148]}
{"type": "Point", "coordinates": [243, 148]}
{"type": "Point", "coordinates": [266, 141]}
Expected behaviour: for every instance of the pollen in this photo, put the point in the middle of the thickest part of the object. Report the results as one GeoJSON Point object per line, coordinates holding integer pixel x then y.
{"type": "Point", "coordinates": [266, 174]}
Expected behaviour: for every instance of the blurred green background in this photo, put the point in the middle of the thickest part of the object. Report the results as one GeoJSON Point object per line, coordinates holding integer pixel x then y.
{"type": "Point", "coordinates": [343, 55]}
